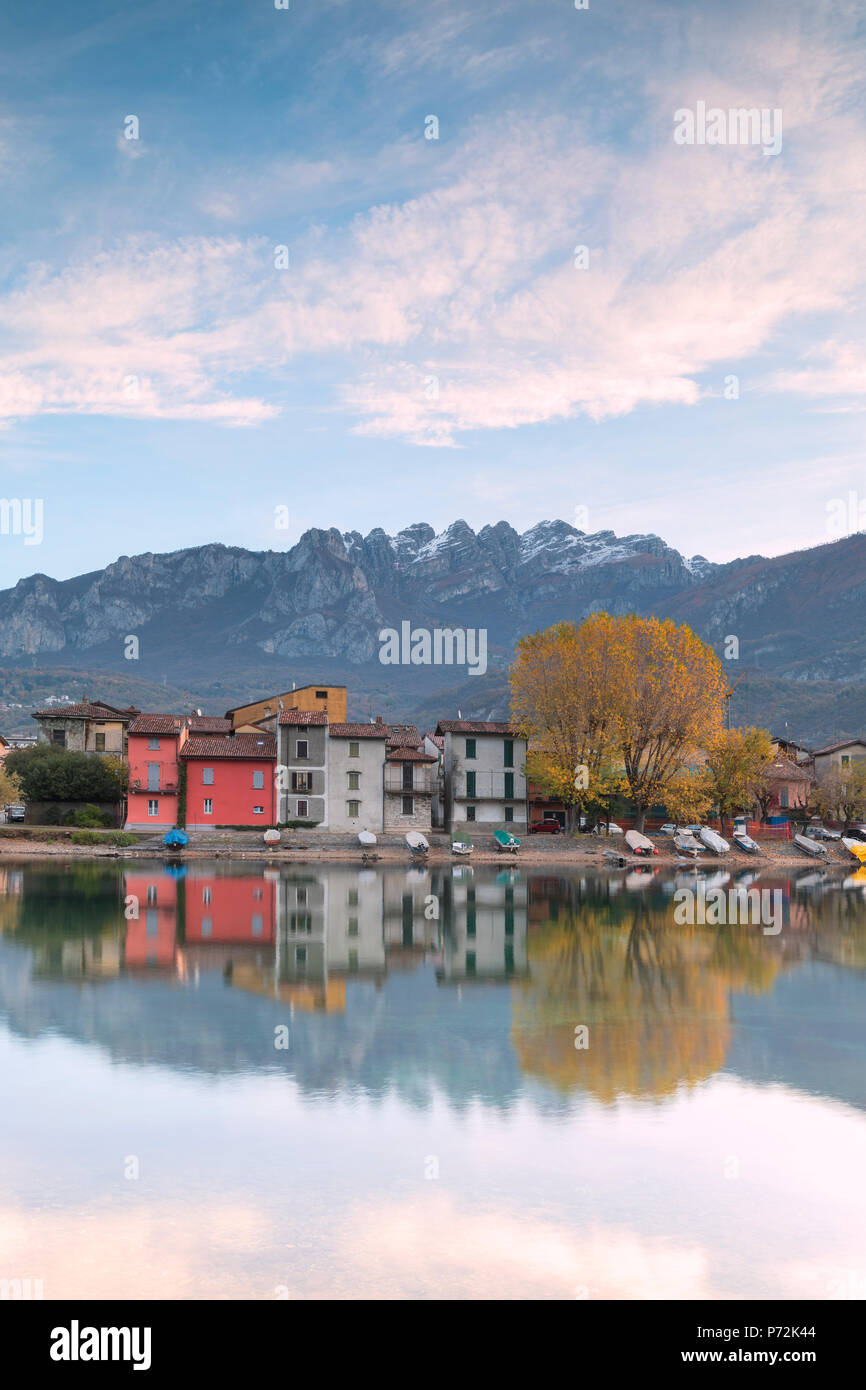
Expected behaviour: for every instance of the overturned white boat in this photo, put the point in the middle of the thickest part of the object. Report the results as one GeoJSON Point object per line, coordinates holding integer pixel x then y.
{"type": "Point", "coordinates": [416, 842]}
{"type": "Point", "coordinates": [461, 847]}
{"type": "Point", "coordinates": [714, 841]}
{"type": "Point", "coordinates": [809, 846]}
{"type": "Point", "coordinates": [366, 839]}
{"type": "Point", "coordinates": [685, 842]}
{"type": "Point", "coordinates": [638, 843]}
{"type": "Point", "coordinates": [745, 842]}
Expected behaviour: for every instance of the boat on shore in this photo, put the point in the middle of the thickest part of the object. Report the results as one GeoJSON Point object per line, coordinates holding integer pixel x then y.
{"type": "Point", "coordinates": [857, 848]}
{"type": "Point", "coordinates": [366, 839]}
{"type": "Point", "coordinates": [614, 858]}
{"type": "Point", "coordinates": [714, 841]}
{"type": "Point", "coordinates": [685, 842]}
{"type": "Point", "coordinates": [416, 842]}
{"type": "Point", "coordinates": [506, 841]}
{"type": "Point", "coordinates": [809, 846]}
{"type": "Point", "coordinates": [175, 839]}
{"type": "Point", "coordinates": [745, 842]}
{"type": "Point", "coordinates": [461, 847]}
{"type": "Point", "coordinates": [638, 843]}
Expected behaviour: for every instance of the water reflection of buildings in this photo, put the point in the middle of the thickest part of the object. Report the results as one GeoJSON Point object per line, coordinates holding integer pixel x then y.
{"type": "Point", "coordinates": [298, 934]}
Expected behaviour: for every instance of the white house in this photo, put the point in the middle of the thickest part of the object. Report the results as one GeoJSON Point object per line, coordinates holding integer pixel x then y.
{"type": "Point", "coordinates": [484, 775]}
{"type": "Point", "coordinates": [356, 776]}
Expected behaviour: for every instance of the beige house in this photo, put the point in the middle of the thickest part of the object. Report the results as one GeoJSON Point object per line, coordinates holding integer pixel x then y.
{"type": "Point", "coordinates": [836, 757]}
{"type": "Point", "coordinates": [90, 727]}
{"type": "Point", "coordinates": [409, 779]}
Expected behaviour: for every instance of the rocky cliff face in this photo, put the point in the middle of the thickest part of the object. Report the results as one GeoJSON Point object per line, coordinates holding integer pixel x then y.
{"type": "Point", "coordinates": [220, 609]}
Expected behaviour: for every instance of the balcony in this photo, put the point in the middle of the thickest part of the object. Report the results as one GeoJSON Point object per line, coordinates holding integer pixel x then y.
{"type": "Point", "coordinates": [488, 786]}
{"type": "Point", "coordinates": [419, 786]}
{"type": "Point", "coordinates": [152, 791]}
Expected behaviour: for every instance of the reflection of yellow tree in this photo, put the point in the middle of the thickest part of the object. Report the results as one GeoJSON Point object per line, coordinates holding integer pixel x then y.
{"type": "Point", "coordinates": [653, 995]}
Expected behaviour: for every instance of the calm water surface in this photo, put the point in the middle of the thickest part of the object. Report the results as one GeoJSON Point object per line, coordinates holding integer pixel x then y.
{"type": "Point", "coordinates": [233, 1082]}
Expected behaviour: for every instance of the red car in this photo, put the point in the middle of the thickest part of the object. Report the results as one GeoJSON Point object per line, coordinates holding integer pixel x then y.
{"type": "Point", "coordinates": [545, 827]}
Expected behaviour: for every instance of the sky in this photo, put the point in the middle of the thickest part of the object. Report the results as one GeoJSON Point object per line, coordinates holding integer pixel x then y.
{"type": "Point", "coordinates": [244, 291]}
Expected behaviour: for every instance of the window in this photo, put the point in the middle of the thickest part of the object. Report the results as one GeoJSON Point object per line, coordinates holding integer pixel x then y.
{"type": "Point", "coordinates": [153, 777]}
{"type": "Point", "coordinates": [783, 798]}
{"type": "Point", "coordinates": [509, 813]}
{"type": "Point", "coordinates": [845, 760]}
{"type": "Point", "coordinates": [354, 781]}
{"type": "Point", "coordinates": [470, 962]}
{"type": "Point", "coordinates": [206, 926]}
{"type": "Point", "coordinates": [302, 748]}
{"type": "Point", "coordinates": [301, 921]}
{"type": "Point", "coordinates": [258, 924]}
{"type": "Point", "coordinates": [509, 752]}
{"type": "Point", "coordinates": [301, 957]}
{"type": "Point", "coordinates": [153, 743]}
{"type": "Point", "coordinates": [509, 786]}
{"type": "Point", "coordinates": [58, 736]}
{"type": "Point", "coordinates": [408, 805]}
{"type": "Point", "coordinates": [353, 960]}
{"type": "Point", "coordinates": [354, 750]}
{"type": "Point", "coordinates": [470, 784]}
{"type": "Point", "coordinates": [354, 808]}
{"type": "Point", "coordinates": [257, 895]}
{"type": "Point", "coordinates": [470, 748]}
{"type": "Point", "coordinates": [151, 894]}
{"type": "Point", "coordinates": [207, 776]}
{"type": "Point", "coordinates": [208, 806]}
{"type": "Point", "coordinates": [321, 694]}
{"type": "Point", "coordinates": [153, 807]}
{"type": "Point", "coordinates": [258, 810]}
{"type": "Point", "coordinates": [303, 809]}
{"type": "Point", "coordinates": [258, 781]}
{"type": "Point", "coordinates": [207, 896]}
{"type": "Point", "coordinates": [301, 781]}
{"type": "Point", "coordinates": [470, 812]}
{"type": "Point", "coordinates": [100, 743]}
{"type": "Point", "coordinates": [408, 773]}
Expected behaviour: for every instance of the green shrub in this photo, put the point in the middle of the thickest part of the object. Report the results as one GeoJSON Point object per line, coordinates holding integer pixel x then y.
{"type": "Point", "coordinates": [92, 837]}
{"type": "Point", "coordinates": [88, 816]}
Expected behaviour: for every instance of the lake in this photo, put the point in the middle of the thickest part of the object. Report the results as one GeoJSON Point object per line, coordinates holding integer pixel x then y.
{"type": "Point", "coordinates": [235, 1081]}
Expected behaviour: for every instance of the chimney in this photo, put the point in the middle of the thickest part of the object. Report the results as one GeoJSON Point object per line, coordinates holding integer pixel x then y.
{"type": "Point", "coordinates": [378, 719]}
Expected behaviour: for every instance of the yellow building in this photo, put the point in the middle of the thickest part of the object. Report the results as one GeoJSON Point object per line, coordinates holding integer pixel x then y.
{"type": "Point", "coordinates": [330, 699]}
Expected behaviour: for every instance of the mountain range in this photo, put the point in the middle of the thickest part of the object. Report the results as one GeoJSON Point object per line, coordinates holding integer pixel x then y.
{"type": "Point", "coordinates": [216, 624]}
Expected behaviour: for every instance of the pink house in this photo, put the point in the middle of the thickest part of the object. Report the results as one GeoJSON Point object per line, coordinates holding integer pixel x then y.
{"type": "Point", "coordinates": [230, 781]}
{"type": "Point", "coordinates": [154, 744]}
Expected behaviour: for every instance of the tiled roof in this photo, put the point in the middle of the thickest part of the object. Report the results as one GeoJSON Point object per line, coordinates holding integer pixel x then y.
{"type": "Point", "coordinates": [410, 755]}
{"type": "Point", "coordinates": [784, 770]}
{"type": "Point", "coordinates": [437, 739]}
{"type": "Point", "coordinates": [209, 724]}
{"type": "Point", "coordinates": [259, 746]}
{"type": "Point", "coordinates": [403, 736]}
{"type": "Point", "coordinates": [87, 710]}
{"type": "Point", "coordinates": [155, 724]}
{"type": "Point", "coordinates": [303, 716]}
{"type": "Point", "coordinates": [358, 730]}
{"type": "Point", "coordinates": [835, 747]}
{"type": "Point", "coordinates": [474, 726]}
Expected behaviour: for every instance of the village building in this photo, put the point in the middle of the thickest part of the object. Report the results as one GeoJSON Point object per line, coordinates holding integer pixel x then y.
{"type": "Point", "coordinates": [484, 775]}
{"type": "Point", "coordinates": [154, 743]}
{"type": "Point", "coordinates": [302, 756]}
{"type": "Point", "coordinates": [321, 699]}
{"type": "Point", "coordinates": [356, 767]}
{"type": "Point", "coordinates": [409, 780]}
{"type": "Point", "coordinates": [837, 757]}
{"type": "Point", "coordinates": [89, 727]}
{"type": "Point", "coordinates": [230, 781]}
{"type": "Point", "coordinates": [788, 786]}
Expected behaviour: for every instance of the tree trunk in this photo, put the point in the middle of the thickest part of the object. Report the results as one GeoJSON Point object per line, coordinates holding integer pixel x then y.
{"type": "Point", "coordinates": [640, 818]}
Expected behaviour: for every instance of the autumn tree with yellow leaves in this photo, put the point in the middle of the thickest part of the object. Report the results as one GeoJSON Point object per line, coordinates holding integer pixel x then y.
{"type": "Point", "coordinates": [738, 761]}
{"type": "Point", "coordinates": [635, 693]}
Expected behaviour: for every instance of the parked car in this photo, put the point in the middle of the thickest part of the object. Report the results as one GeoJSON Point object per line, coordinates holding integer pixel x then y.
{"type": "Point", "coordinates": [667, 830]}
{"type": "Point", "coordinates": [820, 832]}
{"type": "Point", "coordinates": [545, 827]}
{"type": "Point", "coordinates": [16, 812]}
{"type": "Point", "coordinates": [611, 829]}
